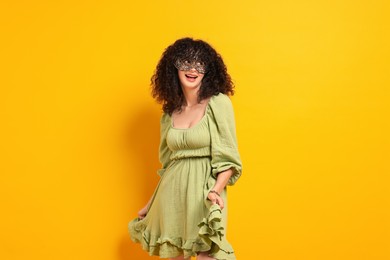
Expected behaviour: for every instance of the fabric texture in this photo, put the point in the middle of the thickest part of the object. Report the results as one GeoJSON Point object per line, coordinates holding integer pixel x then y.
{"type": "Point", "coordinates": [180, 219]}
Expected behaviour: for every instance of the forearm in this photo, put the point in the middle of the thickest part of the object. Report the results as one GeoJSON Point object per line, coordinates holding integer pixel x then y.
{"type": "Point", "coordinates": [222, 180]}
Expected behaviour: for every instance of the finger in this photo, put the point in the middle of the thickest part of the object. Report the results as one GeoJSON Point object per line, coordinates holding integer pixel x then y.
{"type": "Point", "coordinates": [212, 197]}
{"type": "Point", "coordinates": [220, 202]}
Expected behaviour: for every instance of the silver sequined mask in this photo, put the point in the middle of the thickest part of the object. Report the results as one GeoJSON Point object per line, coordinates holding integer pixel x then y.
{"type": "Point", "coordinates": [185, 65]}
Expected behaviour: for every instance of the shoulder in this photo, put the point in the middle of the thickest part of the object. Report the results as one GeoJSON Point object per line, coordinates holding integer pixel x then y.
{"type": "Point", "coordinates": [165, 120]}
{"type": "Point", "coordinates": [221, 109]}
{"type": "Point", "coordinates": [164, 117]}
{"type": "Point", "coordinates": [221, 101]}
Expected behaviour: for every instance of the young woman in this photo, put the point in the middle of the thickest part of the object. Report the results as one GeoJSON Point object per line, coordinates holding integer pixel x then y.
{"type": "Point", "coordinates": [186, 215]}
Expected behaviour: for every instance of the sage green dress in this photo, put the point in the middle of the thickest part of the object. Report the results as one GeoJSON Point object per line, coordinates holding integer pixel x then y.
{"type": "Point", "coordinates": [180, 220]}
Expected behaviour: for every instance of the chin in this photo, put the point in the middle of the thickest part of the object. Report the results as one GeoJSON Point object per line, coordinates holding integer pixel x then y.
{"type": "Point", "coordinates": [191, 86]}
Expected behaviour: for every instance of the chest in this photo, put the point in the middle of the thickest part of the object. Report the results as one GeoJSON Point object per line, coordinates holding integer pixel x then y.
{"type": "Point", "coordinates": [195, 137]}
{"type": "Point", "coordinates": [188, 118]}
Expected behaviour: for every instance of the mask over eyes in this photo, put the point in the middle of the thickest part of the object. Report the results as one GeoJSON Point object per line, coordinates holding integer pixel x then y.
{"type": "Point", "coordinates": [186, 65]}
{"type": "Point", "coordinates": [189, 59]}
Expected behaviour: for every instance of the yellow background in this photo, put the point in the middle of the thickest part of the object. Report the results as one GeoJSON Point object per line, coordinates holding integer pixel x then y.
{"type": "Point", "coordinates": [79, 130]}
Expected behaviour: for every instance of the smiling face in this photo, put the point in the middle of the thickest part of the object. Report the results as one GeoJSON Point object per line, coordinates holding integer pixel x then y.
{"type": "Point", "coordinates": [190, 73]}
{"type": "Point", "coordinates": [190, 78]}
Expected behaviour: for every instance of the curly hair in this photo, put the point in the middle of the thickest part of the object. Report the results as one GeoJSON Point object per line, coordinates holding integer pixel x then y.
{"type": "Point", "coordinates": [166, 88]}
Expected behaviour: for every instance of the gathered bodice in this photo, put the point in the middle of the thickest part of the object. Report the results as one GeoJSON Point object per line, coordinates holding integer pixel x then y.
{"type": "Point", "coordinates": [214, 136]}
{"type": "Point", "coordinates": [190, 142]}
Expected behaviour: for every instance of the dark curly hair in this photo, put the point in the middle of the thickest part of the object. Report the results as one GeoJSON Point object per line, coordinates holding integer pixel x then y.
{"type": "Point", "coordinates": [165, 82]}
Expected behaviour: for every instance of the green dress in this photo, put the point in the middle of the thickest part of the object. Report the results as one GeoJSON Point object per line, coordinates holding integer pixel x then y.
{"type": "Point", "coordinates": [180, 219]}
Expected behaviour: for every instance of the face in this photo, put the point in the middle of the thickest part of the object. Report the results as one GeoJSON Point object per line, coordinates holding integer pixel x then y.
{"type": "Point", "coordinates": [190, 74]}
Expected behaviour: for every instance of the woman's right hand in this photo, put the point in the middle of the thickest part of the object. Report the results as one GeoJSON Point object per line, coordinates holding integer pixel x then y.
{"type": "Point", "coordinates": [142, 213]}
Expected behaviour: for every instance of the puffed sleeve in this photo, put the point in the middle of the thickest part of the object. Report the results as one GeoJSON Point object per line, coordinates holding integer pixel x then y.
{"type": "Point", "coordinates": [224, 150]}
{"type": "Point", "coordinates": [164, 151]}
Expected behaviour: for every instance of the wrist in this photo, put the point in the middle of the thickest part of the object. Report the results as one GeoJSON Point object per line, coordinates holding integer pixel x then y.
{"type": "Point", "coordinates": [218, 188]}
{"type": "Point", "coordinates": [215, 192]}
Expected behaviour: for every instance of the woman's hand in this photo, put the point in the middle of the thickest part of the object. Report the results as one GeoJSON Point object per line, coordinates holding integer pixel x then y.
{"type": "Point", "coordinates": [215, 199]}
{"type": "Point", "coordinates": [142, 213]}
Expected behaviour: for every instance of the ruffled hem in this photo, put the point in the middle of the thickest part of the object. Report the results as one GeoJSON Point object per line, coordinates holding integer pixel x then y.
{"type": "Point", "coordinates": [210, 238]}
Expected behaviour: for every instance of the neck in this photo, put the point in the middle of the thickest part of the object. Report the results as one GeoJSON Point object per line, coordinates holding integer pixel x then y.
{"type": "Point", "coordinates": [191, 96]}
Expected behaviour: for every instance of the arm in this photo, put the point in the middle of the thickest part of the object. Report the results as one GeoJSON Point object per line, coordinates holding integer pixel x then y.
{"type": "Point", "coordinates": [222, 181]}
{"type": "Point", "coordinates": [164, 157]}
{"type": "Point", "coordinates": [224, 148]}
{"type": "Point", "coordinates": [225, 161]}
{"type": "Point", "coordinates": [164, 151]}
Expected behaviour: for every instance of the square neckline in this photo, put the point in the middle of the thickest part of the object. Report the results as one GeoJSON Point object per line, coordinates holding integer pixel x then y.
{"type": "Point", "coordinates": [197, 123]}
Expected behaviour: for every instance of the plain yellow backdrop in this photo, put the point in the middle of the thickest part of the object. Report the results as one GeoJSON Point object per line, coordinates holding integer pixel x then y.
{"type": "Point", "coordinates": [79, 129]}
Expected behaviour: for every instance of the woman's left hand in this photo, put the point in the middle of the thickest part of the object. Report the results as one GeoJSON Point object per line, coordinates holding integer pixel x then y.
{"type": "Point", "coordinates": [215, 199]}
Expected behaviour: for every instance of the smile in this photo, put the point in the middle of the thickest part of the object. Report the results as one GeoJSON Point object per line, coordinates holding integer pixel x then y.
{"type": "Point", "coordinates": [191, 76]}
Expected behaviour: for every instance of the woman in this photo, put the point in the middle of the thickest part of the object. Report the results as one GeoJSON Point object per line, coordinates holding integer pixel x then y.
{"type": "Point", "coordinates": [186, 215]}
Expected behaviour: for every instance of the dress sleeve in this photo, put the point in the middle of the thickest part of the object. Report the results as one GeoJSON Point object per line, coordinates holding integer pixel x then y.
{"type": "Point", "coordinates": [224, 150]}
{"type": "Point", "coordinates": [164, 151]}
